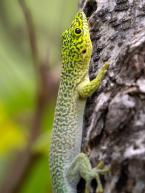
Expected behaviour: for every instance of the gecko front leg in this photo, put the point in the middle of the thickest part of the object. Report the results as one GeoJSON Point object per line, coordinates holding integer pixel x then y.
{"type": "Point", "coordinates": [81, 167]}
{"type": "Point", "coordinates": [87, 87]}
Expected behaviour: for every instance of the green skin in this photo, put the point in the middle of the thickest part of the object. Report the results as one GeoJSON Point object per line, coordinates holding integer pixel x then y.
{"type": "Point", "coordinates": [67, 164]}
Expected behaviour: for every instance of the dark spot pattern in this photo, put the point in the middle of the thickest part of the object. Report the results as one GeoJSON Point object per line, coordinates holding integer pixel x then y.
{"type": "Point", "coordinates": [67, 134]}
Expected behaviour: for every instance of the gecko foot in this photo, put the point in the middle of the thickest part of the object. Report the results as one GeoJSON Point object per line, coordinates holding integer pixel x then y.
{"type": "Point", "coordinates": [100, 169]}
{"type": "Point", "coordinates": [81, 166]}
{"type": "Point", "coordinates": [103, 170]}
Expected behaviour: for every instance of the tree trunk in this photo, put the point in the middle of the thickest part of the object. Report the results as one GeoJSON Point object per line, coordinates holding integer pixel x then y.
{"type": "Point", "coordinates": [114, 125]}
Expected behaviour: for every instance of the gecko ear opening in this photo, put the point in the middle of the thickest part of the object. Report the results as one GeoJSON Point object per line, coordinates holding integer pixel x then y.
{"type": "Point", "coordinates": [84, 51]}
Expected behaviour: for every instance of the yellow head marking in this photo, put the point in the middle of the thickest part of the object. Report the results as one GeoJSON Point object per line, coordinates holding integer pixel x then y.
{"type": "Point", "coordinates": [76, 47]}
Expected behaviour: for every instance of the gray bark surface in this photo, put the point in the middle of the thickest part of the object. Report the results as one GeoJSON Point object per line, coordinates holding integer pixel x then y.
{"type": "Point", "coordinates": [114, 123]}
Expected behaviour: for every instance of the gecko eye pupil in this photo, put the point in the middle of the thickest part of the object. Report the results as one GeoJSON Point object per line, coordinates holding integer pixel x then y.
{"type": "Point", "coordinates": [77, 31]}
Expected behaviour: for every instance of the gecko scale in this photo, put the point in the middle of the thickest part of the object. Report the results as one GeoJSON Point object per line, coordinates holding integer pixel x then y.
{"type": "Point", "coordinates": [67, 164]}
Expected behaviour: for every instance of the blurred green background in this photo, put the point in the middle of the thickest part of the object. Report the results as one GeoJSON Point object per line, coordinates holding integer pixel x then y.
{"type": "Point", "coordinates": [20, 87]}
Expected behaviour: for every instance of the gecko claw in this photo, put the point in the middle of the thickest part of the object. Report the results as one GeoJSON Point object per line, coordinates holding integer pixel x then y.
{"type": "Point", "coordinates": [100, 165]}
{"type": "Point", "coordinates": [105, 66]}
{"type": "Point", "coordinates": [101, 169]}
{"type": "Point", "coordinates": [99, 189]}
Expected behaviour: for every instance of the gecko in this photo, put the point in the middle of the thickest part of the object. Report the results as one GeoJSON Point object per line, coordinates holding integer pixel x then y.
{"type": "Point", "coordinates": [67, 163]}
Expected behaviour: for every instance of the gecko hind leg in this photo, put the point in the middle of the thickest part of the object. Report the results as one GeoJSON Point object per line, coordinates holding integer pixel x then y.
{"type": "Point", "coordinates": [81, 166]}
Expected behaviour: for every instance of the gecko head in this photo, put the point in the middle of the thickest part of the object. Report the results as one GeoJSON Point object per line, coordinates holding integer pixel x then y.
{"type": "Point", "coordinates": [76, 47]}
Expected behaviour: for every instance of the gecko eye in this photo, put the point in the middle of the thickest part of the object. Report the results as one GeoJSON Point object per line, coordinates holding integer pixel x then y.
{"type": "Point", "coordinates": [78, 31]}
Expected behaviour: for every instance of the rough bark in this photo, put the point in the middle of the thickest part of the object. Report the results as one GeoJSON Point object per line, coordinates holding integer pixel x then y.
{"type": "Point", "coordinates": [114, 125]}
